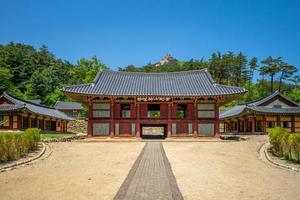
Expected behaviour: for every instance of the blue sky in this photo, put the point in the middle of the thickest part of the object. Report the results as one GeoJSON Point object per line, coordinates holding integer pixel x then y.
{"type": "Point", "coordinates": [135, 32]}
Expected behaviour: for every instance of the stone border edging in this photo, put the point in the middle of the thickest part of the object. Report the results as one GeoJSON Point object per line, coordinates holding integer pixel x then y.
{"type": "Point", "coordinates": [15, 164]}
{"type": "Point", "coordinates": [265, 151]}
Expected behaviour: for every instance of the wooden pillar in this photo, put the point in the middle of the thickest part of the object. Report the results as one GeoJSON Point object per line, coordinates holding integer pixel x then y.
{"type": "Point", "coordinates": [90, 118]}
{"type": "Point", "coordinates": [43, 123]}
{"type": "Point", "coordinates": [66, 127]}
{"type": "Point", "coordinates": [253, 124]}
{"type": "Point", "coordinates": [112, 125]}
{"type": "Point", "coordinates": [22, 122]}
{"type": "Point", "coordinates": [278, 120]}
{"type": "Point", "coordinates": [36, 122]}
{"type": "Point", "coordinates": [50, 126]}
{"type": "Point", "coordinates": [264, 124]}
{"type": "Point", "coordinates": [62, 126]}
{"type": "Point", "coordinates": [169, 119]}
{"type": "Point", "coordinates": [217, 120]}
{"type": "Point", "coordinates": [238, 125]}
{"type": "Point", "coordinates": [138, 120]}
{"type": "Point", "coordinates": [19, 122]}
{"type": "Point", "coordinates": [195, 126]}
{"type": "Point", "coordinates": [293, 124]}
{"type": "Point", "coordinates": [10, 122]}
{"type": "Point", "coordinates": [29, 120]}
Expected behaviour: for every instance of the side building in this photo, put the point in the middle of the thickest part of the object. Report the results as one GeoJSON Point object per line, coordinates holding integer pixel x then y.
{"type": "Point", "coordinates": [153, 104]}
{"type": "Point", "coordinates": [18, 114]}
{"type": "Point", "coordinates": [262, 115]}
{"type": "Point", "coordinates": [72, 109]}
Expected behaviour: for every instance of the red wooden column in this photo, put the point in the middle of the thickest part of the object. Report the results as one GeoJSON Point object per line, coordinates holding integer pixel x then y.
{"type": "Point", "coordinates": [50, 124]}
{"type": "Point", "coordinates": [112, 125]}
{"type": "Point", "coordinates": [293, 123]}
{"type": "Point", "coordinates": [36, 122]}
{"type": "Point", "coordinates": [169, 119]}
{"type": "Point", "coordinates": [43, 123]}
{"type": "Point", "coordinates": [278, 120]}
{"type": "Point", "coordinates": [10, 122]}
{"type": "Point", "coordinates": [90, 118]}
{"type": "Point", "coordinates": [217, 121]}
{"type": "Point", "coordinates": [22, 122]}
{"type": "Point", "coordinates": [66, 127]}
{"type": "Point", "coordinates": [264, 124]}
{"type": "Point", "coordinates": [138, 119]}
{"type": "Point", "coordinates": [253, 124]}
{"type": "Point", "coordinates": [195, 127]}
{"type": "Point", "coordinates": [29, 120]}
{"type": "Point", "coordinates": [19, 122]}
{"type": "Point", "coordinates": [62, 126]}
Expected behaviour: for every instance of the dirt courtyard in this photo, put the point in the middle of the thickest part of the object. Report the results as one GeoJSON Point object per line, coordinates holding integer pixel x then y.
{"type": "Point", "coordinates": [230, 171]}
{"type": "Point", "coordinates": [74, 170]}
{"type": "Point", "coordinates": [204, 170]}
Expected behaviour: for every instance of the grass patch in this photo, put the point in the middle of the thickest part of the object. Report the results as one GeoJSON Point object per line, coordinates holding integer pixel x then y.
{"type": "Point", "coordinates": [56, 135]}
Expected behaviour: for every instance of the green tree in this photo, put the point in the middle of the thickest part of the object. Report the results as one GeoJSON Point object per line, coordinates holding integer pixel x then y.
{"type": "Point", "coordinates": [286, 72]}
{"type": "Point", "coordinates": [86, 70]}
{"type": "Point", "coordinates": [252, 67]}
{"type": "Point", "coordinates": [270, 67]}
{"type": "Point", "coordinates": [5, 79]}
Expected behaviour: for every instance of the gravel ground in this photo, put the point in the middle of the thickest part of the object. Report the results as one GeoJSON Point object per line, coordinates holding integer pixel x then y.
{"type": "Point", "coordinates": [233, 170]}
{"type": "Point", "coordinates": [204, 170]}
{"type": "Point", "coordinates": [74, 170]}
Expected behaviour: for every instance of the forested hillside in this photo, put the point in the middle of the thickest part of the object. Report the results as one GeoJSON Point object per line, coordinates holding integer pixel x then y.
{"type": "Point", "coordinates": [37, 74]}
{"type": "Point", "coordinates": [237, 70]}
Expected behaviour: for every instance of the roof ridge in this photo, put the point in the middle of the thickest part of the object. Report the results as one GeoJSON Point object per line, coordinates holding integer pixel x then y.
{"type": "Point", "coordinates": [175, 72]}
{"type": "Point", "coordinates": [84, 84]}
{"type": "Point", "coordinates": [26, 101]}
{"type": "Point", "coordinates": [231, 86]}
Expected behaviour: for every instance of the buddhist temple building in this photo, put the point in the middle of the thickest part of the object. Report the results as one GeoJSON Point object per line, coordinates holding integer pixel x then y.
{"type": "Point", "coordinates": [262, 115]}
{"type": "Point", "coordinates": [18, 114]}
{"type": "Point", "coordinates": [153, 104]}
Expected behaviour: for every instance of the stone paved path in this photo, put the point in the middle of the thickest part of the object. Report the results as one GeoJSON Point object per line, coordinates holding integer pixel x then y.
{"type": "Point", "coordinates": [151, 177]}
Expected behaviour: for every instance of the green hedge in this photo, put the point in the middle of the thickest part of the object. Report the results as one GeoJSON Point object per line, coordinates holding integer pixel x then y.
{"type": "Point", "coordinates": [285, 144]}
{"type": "Point", "coordinates": [15, 145]}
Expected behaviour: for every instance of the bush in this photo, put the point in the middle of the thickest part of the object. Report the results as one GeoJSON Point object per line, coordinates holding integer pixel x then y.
{"type": "Point", "coordinates": [275, 136]}
{"type": "Point", "coordinates": [285, 144]}
{"type": "Point", "coordinates": [294, 142]}
{"type": "Point", "coordinates": [15, 145]}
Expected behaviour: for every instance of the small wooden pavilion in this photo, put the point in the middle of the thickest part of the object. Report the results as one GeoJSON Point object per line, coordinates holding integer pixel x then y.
{"type": "Point", "coordinates": [262, 115]}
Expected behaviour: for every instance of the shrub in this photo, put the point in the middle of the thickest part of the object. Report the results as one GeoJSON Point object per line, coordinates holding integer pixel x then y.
{"type": "Point", "coordinates": [294, 143]}
{"type": "Point", "coordinates": [32, 135]}
{"type": "Point", "coordinates": [285, 144]}
{"type": "Point", "coordinates": [276, 135]}
{"type": "Point", "coordinates": [15, 145]}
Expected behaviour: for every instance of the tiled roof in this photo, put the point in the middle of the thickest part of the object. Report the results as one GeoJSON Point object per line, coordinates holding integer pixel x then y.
{"type": "Point", "coordinates": [36, 101]}
{"type": "Point", "coordinates": [240, 109]}
{"type": "Point", "coordinates": [263, 109]}
{"type": "Point", "coordinates": [186, 83]}
{"type": "Point", "coordinates": [267, 98]}
{"type": "Point", "coordinates": [11, 107]}
{"type": "Point", "coordinates": [236, 110]}
{"type": "Point", "coordinates": [60, 105]}
{"type": "Point", "coordinates": [32, 107]}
